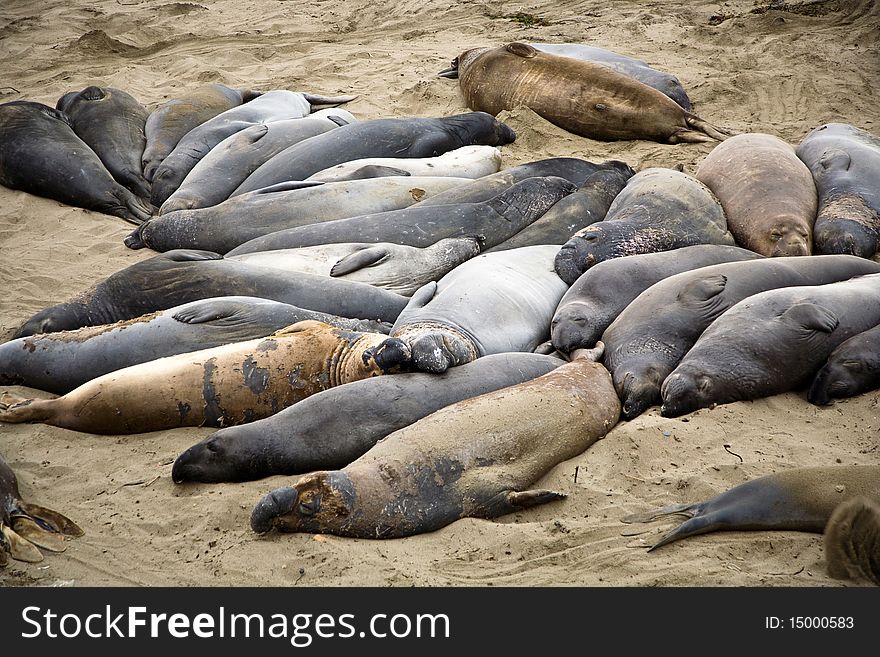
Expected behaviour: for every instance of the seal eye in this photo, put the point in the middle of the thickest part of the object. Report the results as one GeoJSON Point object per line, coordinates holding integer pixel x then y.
{"type": "Point", "coordinates": [590, 237]}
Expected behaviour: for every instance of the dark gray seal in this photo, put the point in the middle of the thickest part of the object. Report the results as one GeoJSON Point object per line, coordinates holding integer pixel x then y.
{"type": "Point", "coordinates": [41, 154]}
{"type": "Point", "coordinates": [654, 332]}
{"type": "Point", "coordinates": [602, 292]}
{"type": "Point", "coordinates": [790, 334]}
{"type": "Point", "coordinates": [180, 276]}
{"type": "Point", "coordinates": [405, 137]}
{"type": "Point", "coordinates": [658, 210]}
{"type": "Point", "coordinates": [111, 122]}
{"type": "Point", "coordinates": [59, 362]}
{"type": "Point", "coordinates": [845, 163]}
{"type": "Point", "coordinates": [314, 435]}
{"type": "Point", "coordinates": [851, 369]}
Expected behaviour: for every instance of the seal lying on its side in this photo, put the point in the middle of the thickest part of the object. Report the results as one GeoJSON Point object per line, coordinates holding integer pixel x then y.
{"type": "Point", "coordinates": [60, 362]}
{"type": "Point", "coordinates": [851, 369]}
{"type": "Point", "coordinates": [226, 385]}
{"type": "Point", "coordinates": [24, 526]}
{"type": "Point", "coordinates": [313, 435]}
{"type": "Point", "coordinates": [475, 458]}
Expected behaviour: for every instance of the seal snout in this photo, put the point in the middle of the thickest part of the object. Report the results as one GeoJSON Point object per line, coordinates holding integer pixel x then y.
{"type": "Point", "coordinates": [135, 239]}
{"type": "Point", "coordinates": [276, 503]}
{"type": "Point", "coordinates": [390, 355]}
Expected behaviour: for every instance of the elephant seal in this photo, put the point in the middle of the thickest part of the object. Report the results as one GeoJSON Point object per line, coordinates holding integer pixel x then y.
{"type": "Point", "coordinates": [221, 386]}
{"type": "Point", "coordinates": [476, 458]}
{"type": "Point", "coordinates": [491, 304]}
{"type": "Point", "coordinates": [791, 332]}
{"type": "Point", "coordinates": [851, 369]}
{"type": "Point", "coordinates": [224, 167]}
{"type": "Point", "coordinates": [768, 194]}
{"type": "Point", "coordinates": [581, 96]}
{"type": "Point", "coordinates": [41, 154]}
{"type": "Point", "coordinates": [654, 332]}
{"type": "Point", "coordinates": [180, 276]}
{"type": "Point", "coordinates": [852, 541]}
{"type": "Point", "coordinates": [583, 207]}
{"type": "Point", "coordinates": [602, 292]}
{"type": "Point", "coordinates": [666, 83]}
{"type": "Point", "coordinates": [314, 435]}
{"type": "Point", "coordinates": [464, 162]}
{"type": "Point", "coordinates": [276, 105]}
{"type": "Point", "coordinates": [395, 267]}
{"type": "Point", "coordinates": [493, 221]}
{"type": "Point", "coordinates": [111, 122]}
{"type": "Point", "coordinates": [59, 362]}
{"type": "Point", "coordinates": [405, 137]}
{"type": "Point", "coordinates": [167, 124]}
{"type": "Point", "coordinates": [222, 227]}
{"type": "Point", "coordinates": [845, 163]}
{"type": "Point", "coordinates": [659, 209]}
{"type": "Point", "coordinates": [25, 526]}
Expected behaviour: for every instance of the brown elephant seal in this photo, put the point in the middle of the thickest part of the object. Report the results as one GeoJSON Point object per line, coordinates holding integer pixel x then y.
{"type": "Point", "coordinates": [475, 458]}
{"type": "Point", "coordinates": [845, 163]}
{"type": "Point", "coordinates": [222, 386]}
{"type": "Point", "coordinates": [851, 369]}
{"type": "Point", "coordinates": [583, 97]}
{"type": "Point", "coordinates": [791, 332]}
{"type": "Point", "coordinates": [25, 526]}
{"type": "Point", "coordinates": [852, 541]}
{"type": "Point", "coordinates": [659, 209]}
{"type": "Point", "coordinates": [41, 154]}
{"type": "Point", "coordinates": [111, 122]}
{"type": "Point", "coordinates": [768, 194]}
{"type": "Point", "coordinates": [167, 124]}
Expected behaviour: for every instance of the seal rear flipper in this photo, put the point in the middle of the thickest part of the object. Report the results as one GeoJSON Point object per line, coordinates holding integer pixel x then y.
{"type": "Point", "coordinates": [509, 501]}
{"type": "Point", "coordinates": [138, 209]}
{"type": "Point", "coordinates": [55, 521]}
{"type": "Point", "coordinates": [15, 409]}
{"type": "Point", "coordinates": [190, 255]}
{"type": "Point", "coordinates": [33, 532]}
{"type": "Point", "coordinates": [703, 129]}
{"type": "Point", "coordinates": [19, 548]}
{"type": "Point", "coordinates": [358, 260]}
{"type": "Point", "coordinates": [287, 186]}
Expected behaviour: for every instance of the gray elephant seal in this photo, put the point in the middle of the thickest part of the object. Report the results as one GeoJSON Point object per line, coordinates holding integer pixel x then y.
{"type": "Point", "coordinates": [852, 541]}
{"type": "Point", "coordinates": [598, 296]}
{"type": "Point", "coordinates": [181, 276]}
{"type": "Point", "coordinates": [59, 362]}
{"type": "Point", "coordinates": [851, 369]}
{"type": "Point", "coordinates": [25, 526]}
{"type": "Point", "coordinates": [222, 386]}
{"type": "Point", "coordinates": [845, 163]}
{"type": "Point", "coordinates": [395, 267]}
{"type": "Point", "coordinates": [111, 122]}
{"type": "Point", "coordinates": [581, 96]}
{"type": "Point", "coordinates": [41, 154]}
{"type": "Point", "coordinates": [406, 137]}
{"type": "Point", "coordinates": [791, 333]}
{"type": "Point", "coordinates": [494, 221]}
{"type": "Point", "coordinates": [314, 435]}
{"type": "Point", "coordinates": [221, 228]}
{"type": "Point", "coordinates": [654, 332]}
{"type": "Point", "coordinates": [475, 458]}
{"type": "Point", "coordinates": [659, 209]}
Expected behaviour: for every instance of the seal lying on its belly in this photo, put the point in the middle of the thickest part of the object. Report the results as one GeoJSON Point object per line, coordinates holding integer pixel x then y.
{"type": "Point", "coordinates": [475, 458]}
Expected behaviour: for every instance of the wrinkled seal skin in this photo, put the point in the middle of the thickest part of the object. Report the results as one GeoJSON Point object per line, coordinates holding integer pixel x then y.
{"type": "Point", "coordinates": [851, 369]}
{"type": "Point", "coordinates": [59, 362]}
{"type": "Point", "coordinates": [852, 541]}
{"type": "Point", "coordinates": [182, 276]}
{"type": "Point", "coordinates": [658, 210]}
{"type": "Point", "coordinates": [493, 220]}
{"type": "Point", "coordinates": [491, 304]}
{"type": "Point", "coordinates": [768, 194]}
{"type": "Point", "coordinates": [475, 458]}
{"type": "Point", "coordinates": [222, 386]}
{"type": "Point", "coordinates": [790, 334]}
{"type": "Point", "coordinates": [24, 526]}
{"type": "Point", "coordinates": [581, 96]}
{"type": "Point", "coordinates": [167, 124]}
{"type": "Point", "coordinates": [314, 435]}
{"type": "Point", "coordinates": [665, 83]}
{"type": "Point", "coordinates": [845, 163]}
{"type": "Point", "coordinates": [41, 154]}
{"type": "Point", "coordinates": [654, 332]}
{"type": "Point", "coordinates": [224, 226]}
{"type": "Point", "coordinates": [276, 105]}
{"type": "Point", "coordinates": [405, 137]}
{"type": "Point", "coordinates": [111, 122]}
{"type": "Point", "coordinates": [602, 292]}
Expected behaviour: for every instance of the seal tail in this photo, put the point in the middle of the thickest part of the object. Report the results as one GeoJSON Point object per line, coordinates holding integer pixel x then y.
{"type": "Point", "coordinates": [322, 102]}
{"type": "Point", "coordinates": [17, 409]}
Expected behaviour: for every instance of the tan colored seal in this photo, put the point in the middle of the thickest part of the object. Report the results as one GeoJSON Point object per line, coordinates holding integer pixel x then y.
{"type": "Point", "coordinates": [852, 541]}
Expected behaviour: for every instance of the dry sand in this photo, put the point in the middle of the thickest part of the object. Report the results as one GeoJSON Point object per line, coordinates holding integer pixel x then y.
{"type": "Point", "coordinates": [783, 71]}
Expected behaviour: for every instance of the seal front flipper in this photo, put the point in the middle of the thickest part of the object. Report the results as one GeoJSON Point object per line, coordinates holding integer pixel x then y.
{"type": "Point", "coordinates": [509, 501]}
{"type": "Point", "coordinates": [812, 317]}
{"type": "Point", "coordinates": [358, 260]}
{"type": "Point", "coordinates": [209, 310]}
